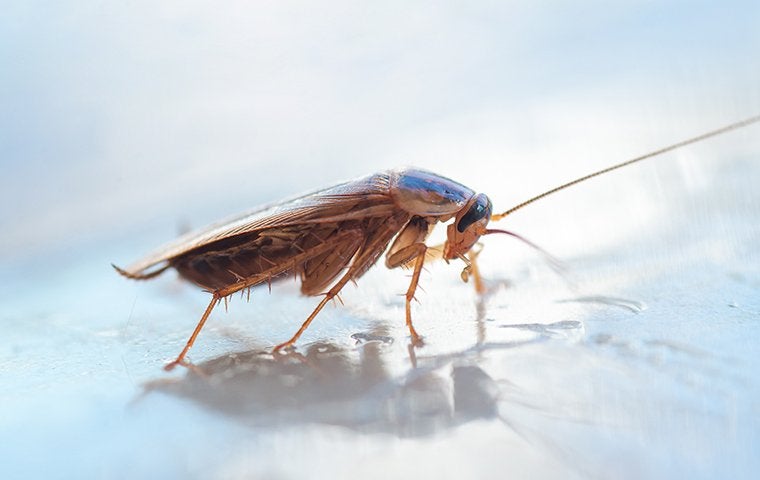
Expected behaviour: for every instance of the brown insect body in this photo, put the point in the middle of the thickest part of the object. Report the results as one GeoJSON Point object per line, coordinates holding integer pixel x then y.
{"type": "Point", "coordinates": [319, 235]}
{"type": "Point", "coordinates": [314, 236]}
{"type": "Point", "coordinates": [330, 237]}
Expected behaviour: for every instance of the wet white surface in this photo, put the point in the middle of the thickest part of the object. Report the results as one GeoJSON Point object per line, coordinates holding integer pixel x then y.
{"type": "Point", "coordinates": [123, 126]}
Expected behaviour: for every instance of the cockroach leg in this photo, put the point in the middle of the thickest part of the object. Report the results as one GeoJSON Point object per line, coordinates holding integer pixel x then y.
{"type": "Point", "coordinates": [467, 270]}
{"type": "Point", "coordinates": [474, 270]}
{"type": "Point", "coordinates": [180, 360]}
{"type": "Point", "coordinates": [333, 292]}
{"type": "Point", "coordinates": [419, 262]}
{"type": "Point", "coordinates": [414, 252]}
{"type": "Point", "coordinates": [340, 300]}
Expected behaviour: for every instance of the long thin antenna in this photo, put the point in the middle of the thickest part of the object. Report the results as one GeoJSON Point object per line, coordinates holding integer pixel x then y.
{"type": "Point", "coordinates": [699, 138]}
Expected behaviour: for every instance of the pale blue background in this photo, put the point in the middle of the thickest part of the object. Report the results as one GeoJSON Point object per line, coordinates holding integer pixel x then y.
{"type": "Point", "coordinates": [121, 125]}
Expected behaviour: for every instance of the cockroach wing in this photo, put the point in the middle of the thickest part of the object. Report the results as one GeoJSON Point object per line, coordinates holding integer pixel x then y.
{"type": "Point", "coordinates": [353, 200]}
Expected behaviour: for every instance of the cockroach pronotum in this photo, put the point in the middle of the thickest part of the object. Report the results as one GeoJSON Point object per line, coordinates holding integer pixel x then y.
{"type": "Point", "coordinates": [339, 233]}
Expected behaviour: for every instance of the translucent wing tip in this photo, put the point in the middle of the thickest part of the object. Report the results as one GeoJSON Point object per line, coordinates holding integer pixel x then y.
{"type": "Point", "coordinates": [140, 276]}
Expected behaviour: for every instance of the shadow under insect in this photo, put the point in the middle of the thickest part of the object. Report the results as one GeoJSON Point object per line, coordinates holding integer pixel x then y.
{"type": "Point", "coordinates": [350, 387]}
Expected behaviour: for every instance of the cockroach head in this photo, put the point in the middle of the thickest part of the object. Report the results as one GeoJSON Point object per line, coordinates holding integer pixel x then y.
{"type": "Point", "coordinates": [469, 224]}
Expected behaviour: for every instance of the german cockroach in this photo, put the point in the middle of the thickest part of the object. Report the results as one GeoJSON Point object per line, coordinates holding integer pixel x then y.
{"type": "Point", "coordinates": [339, 233]}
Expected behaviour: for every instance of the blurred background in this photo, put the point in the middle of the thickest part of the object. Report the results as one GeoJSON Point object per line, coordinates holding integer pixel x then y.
{"type": "Point", "coordinates": [123, 125]}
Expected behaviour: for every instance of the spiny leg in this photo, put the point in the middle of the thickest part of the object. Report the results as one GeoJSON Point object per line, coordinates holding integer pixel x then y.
{"type": "Point", "coordinates": [418, 263]}
{"type": "Point", "coordinates": [414, 252]}
{"type": "Point", "coordinates": [180, 360]}
{"type": "Point", "coordinates": [333, 292]}
{"type": "Point", "coordinates": [266, 275]}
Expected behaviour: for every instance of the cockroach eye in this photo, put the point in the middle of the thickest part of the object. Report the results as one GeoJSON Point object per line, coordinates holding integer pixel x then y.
{"type": "Point", "coordinates": [479, 210]}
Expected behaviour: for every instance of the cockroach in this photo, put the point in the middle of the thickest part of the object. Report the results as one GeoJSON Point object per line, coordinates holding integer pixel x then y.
{"type": "Point", "coordinates": [340, 232]}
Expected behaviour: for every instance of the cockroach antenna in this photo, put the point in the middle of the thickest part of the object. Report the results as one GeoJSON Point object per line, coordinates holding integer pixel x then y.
{"type": "Point", "coordinates": [669, 148]}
